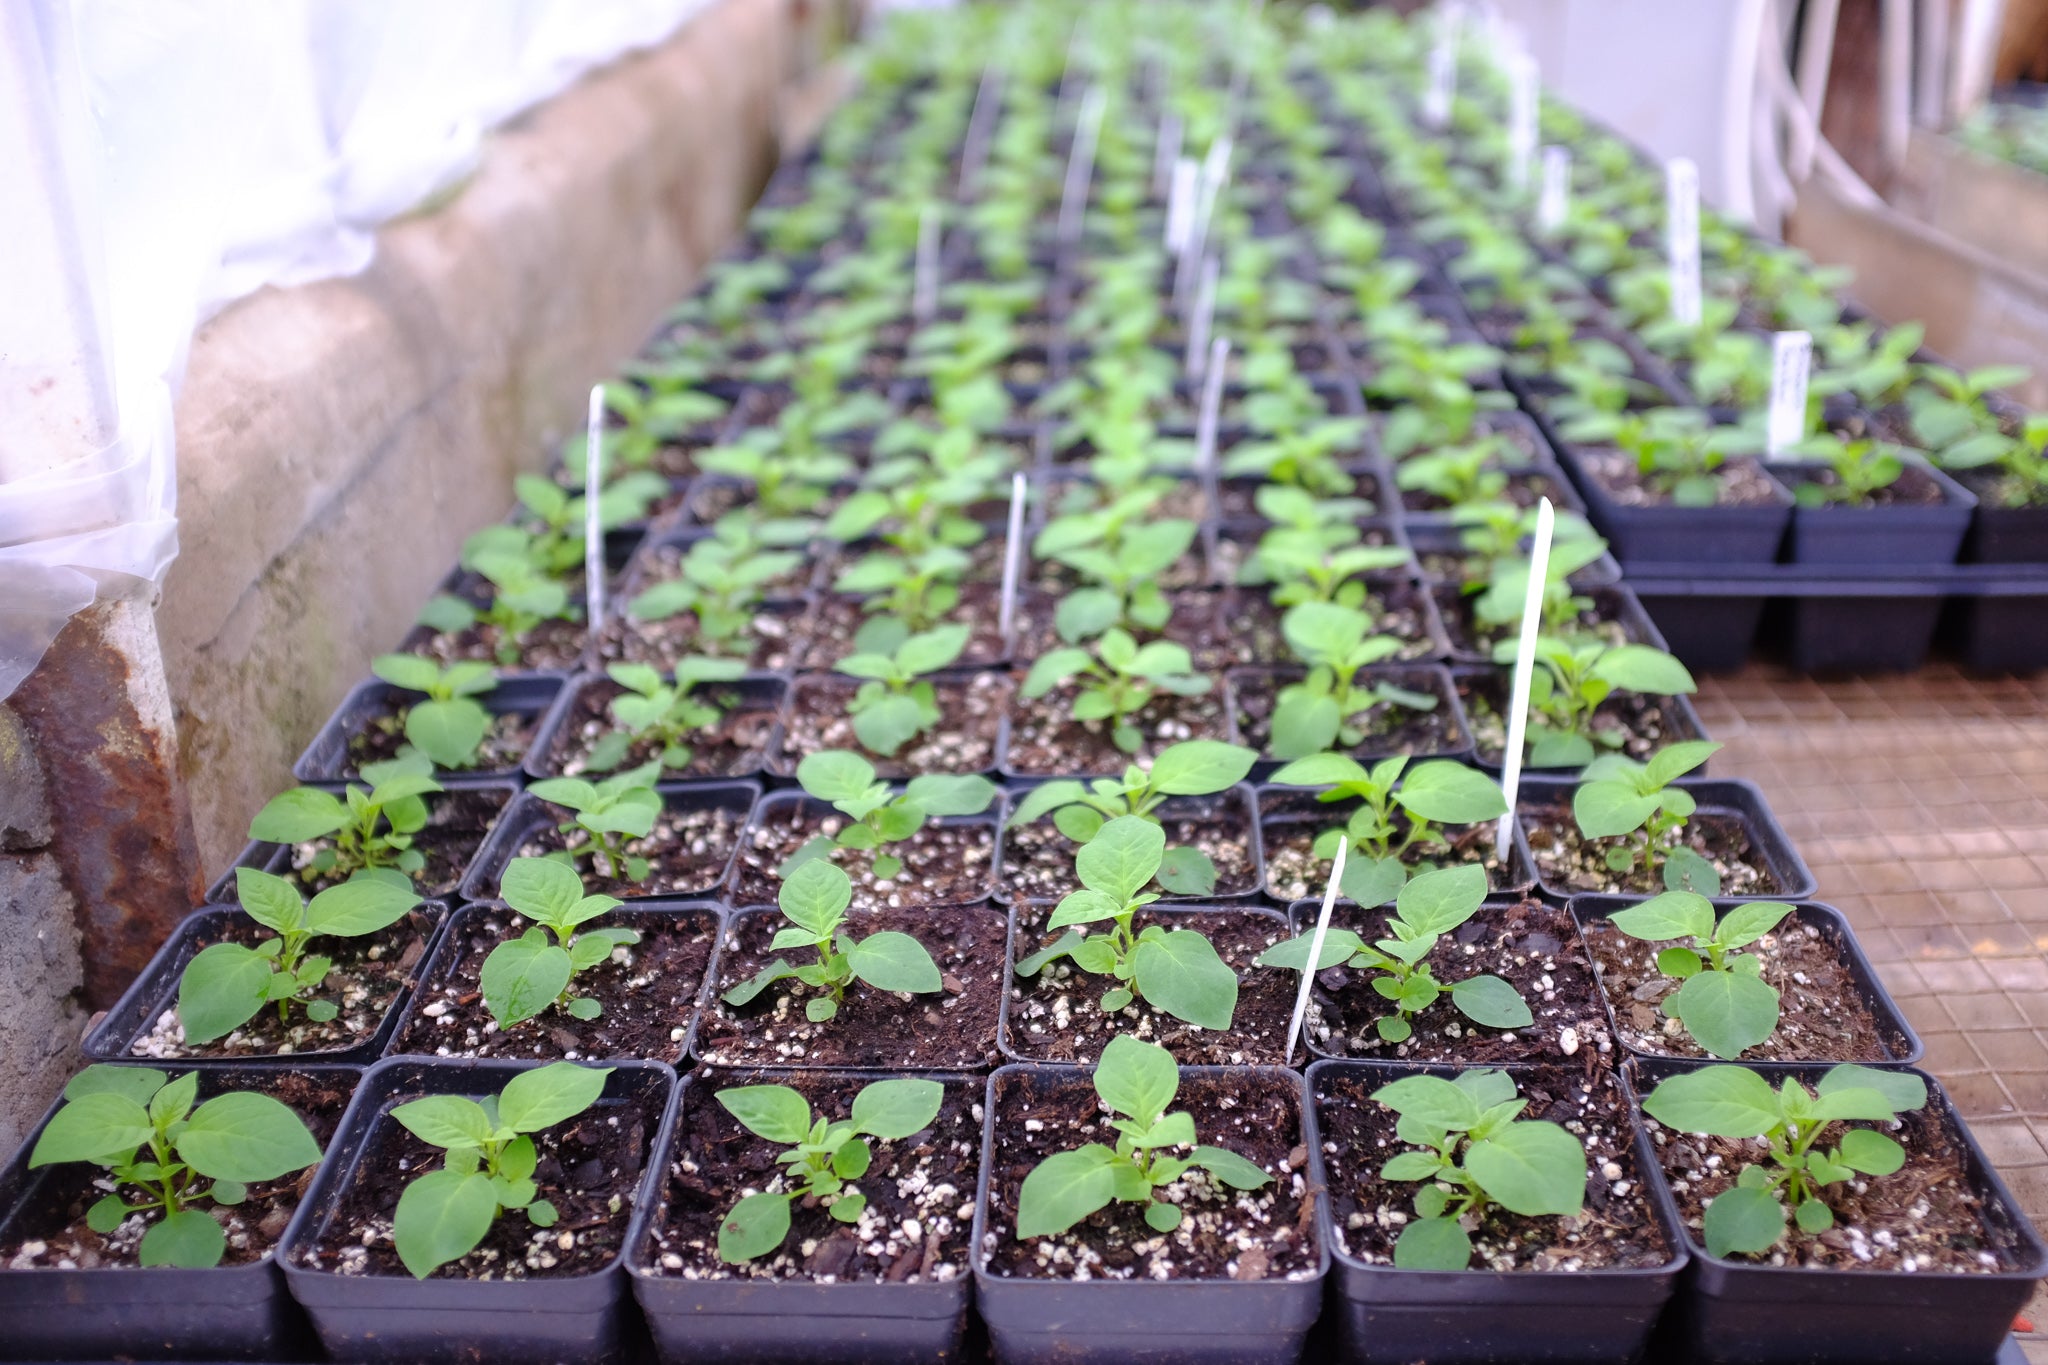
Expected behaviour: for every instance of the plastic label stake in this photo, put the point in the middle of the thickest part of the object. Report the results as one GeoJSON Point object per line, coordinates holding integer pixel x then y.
{"type": "Point", "coordinates": [1443, 69]}
{"type": "Point", "coordinates": [1525, 670]}
{"type": "Point", "coordinates": [980, 126]}
{"type": "Point", "coordinates": [1791, 365]}
{"type": "Point", "coordinates": [1682, 232]}
{"type": "Point", "coordinates": [924, 305]}
{"type": "Point", "coordinates": [1555, 200]}
{"type": "Point", "coordinates": [1180, 206]}
{"type": "Point", "coordinates": [1166, 153]}
{"type": "Point", "coordinates": [1315, 948]}
{"type": "Point", "coordinates": [1204, 318]}
{"type": "Point", "coordinates": [1523, 104]}
{"type": "Point", "coordinates": [1081, 164]}
{"type": "Point", "coordinates": [1013, 559]}
{"type": "Point", "coordinates": [593, 512]}
{"type": "Point", "coordinates": [1215, 174]}
{"type": "Point", "coordinates": [1212, 405]}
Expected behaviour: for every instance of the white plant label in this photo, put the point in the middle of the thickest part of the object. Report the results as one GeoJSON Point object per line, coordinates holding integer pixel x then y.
{"type": "Point", "coordinates": [1555, 200]}
{"type": "Point", "coordinates": [1315, 948]}
{"type": "Point", "coordinates": [1212, 407]}
{"type": "Point", "coordinates": [1443, 69]}
{"type": "Point", "coordinates": [924, 303]}
{"type": "Point", "coordinates": [1166, 153]}
{"type": "Point", "coordinates": [1081, 164]}
{"type": "Point", "coordinates": [1525, 669]}
{"type": "Point", "coordinates": [1180, 206]}
{"type": "Point", "coordinates": [1013, 558]}
{"type": "Point", "coordinates": [1204, 318]}
{"type": "Point", "coordinates": [1791, 366]}
{"type": "Point", "coordinates": [1215, 174]}
{"type": "Point", "coordinates": [980, 127]}
{"type": "Point", "coordinates": [593, 512]}
{"type": "Point", "coordinates": [1682, 231]}
{"type": "Point", "coordinates": [1524, 104]}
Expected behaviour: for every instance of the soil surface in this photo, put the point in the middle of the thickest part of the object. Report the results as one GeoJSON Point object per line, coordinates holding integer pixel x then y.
{"type": "Point", "coordinates": [1397, 607]}
{"type": "Point", "coordinates": [773, 638]}
{"type": "Point", "coordinates": [919, 1190]}
{"type": "Point", "coordinates": [1742, 483]}
{"type": "Point", "coordinates": [1046, 741]}
{"type": "Point", "coordinates": [1915, 487]}
{"type": "Point", "coordinates": [368, 974]}
{"type": "Point", "coordinates": [1616, 1230]}
{"type": "Point", "coordinates": [837, 617]}
{"type": "Point", "coordinates": [1574, 865]}
{"type": "Point", "coordinates": [1525, 488]}
{"type": "Point", "coordinates": [648, 990]}
{"type": "Point", "coordinates": [687, 853]}
{"type": "Point", "coordinates": [588, 1167]}
{"type": "Point", "coordinates": [1038, 860]}
{"type": "Point", "coordinates": [1470, 640]}
{"type": "Point", "coordinates": [381, 734]}
{"type": "Point", "coordinates": [457, 822]}
{"type": "Point", "coordinates": [1191, 623]}
{"type": "Point", "coordinates": [1261, 1234]}
{"type": "Point", "coordinates": [1388, 728]}
{"type": "Point", "coordinates": [1821, 1014]}
{"type": "Point", "coordinates": [945, 863]}
{"type": "Point", "coordinates": [1925, 1216]}
{"type": "Point", "coordinates": [1533, 946]}
{"type": "Point", "coordinates": [964, 741]}
{"type": "Point", "coordinates": [48, 1231]}
{"type": "Point", "coordinates": [1293, 870]}
{"type": "Point", "coordinates": [734, 746]}
{"type": "Point", "coordinates": [955, 1027]}
{"type": "Point", "coordinates": [1054, 1016]}
{"type": "Point", "coordinates": [550, 645]}
{"type": "Point", "coordinates": [1626, 723]}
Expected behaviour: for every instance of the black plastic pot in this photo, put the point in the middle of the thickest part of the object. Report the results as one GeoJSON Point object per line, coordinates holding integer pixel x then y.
{"type": "Point", "coordinates": [529, 814]}
{"type": "Point", "coordinates": [398, 1318]}
{"type": "Point", "coordinates": [1671, 534]}
{"type": "Point", "coordinates": [754, 692]}
{"type": "Point", "coordinates": [1888, 536]}
{"type": "Point", "coordinates": [1682, 718]}
{"type": "Point", "coordinates": [778, 805]}
{"type": "Point", "coordinates": [2007, 535]}
{"type": "Point", "coordinates": [1738, 1313]}
{"type": "Point", "coordinates": [161, 1313]}
{"type": "Point", "coordinates": [1901, 1045]}
{"type": "Point", "coordinates": [1856, 630]}
{"type": "Point", "coordinates": [1727, 797]}
{"type": "Point", "coordinates": [1708, 627]}
{"type": "Point", "coordinates": [156, 990]}
{"type": "Point", "coordinates": [1186, 1322]}
{"type": "Point", "coordinates": [2002, 629]}
{"type": "Point", "coordinates": [747, 1320]}
{"type": "Point", "coordinates": [277, 858]}
{"type": "Point", "coordinates": [827, 694]}
{"type": "Point", "coordinates": [1617, 604]}
{"type": "Point", "coordinates": [326, 759]}
{"type": "Point", "coordinates": [1240, 802]}
{"type": "Point", "coordinates": [1545, 477]}
{"type": "Point", "coordinates": [1283, 807]}
{"type": "Point", "coordinates": [1427, 678]}
{"type": "Point", "coordinates": [1387, 1316]}
{"type": "Point", "coordinates": [1432, 542]}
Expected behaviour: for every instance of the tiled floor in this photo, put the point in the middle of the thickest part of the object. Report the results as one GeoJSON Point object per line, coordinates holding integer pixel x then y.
{"type": "Point", "coordinates": [1921, 803]}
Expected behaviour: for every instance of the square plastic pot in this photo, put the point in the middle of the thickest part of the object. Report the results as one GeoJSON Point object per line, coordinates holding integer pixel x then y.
{"type": "Point", "coordinates": [1434, 544]}
{"type": "Point", "coordinates": [1735, 1313]}
{"type": "Point", "coordinates": [160, 1313]}
{"type": "Point", "coordinates": [1855, 631]}
{"type": "Point", "coordinates": [1682, 717]}
{"type": "Point", "coordinates": [1669, 534]}
{"type": "Point", "coordinates": [1283, 807]}
{"type": "Point", "coordinates": [748, 1320]}
{"type": "Point", "coordinates": [1544, 477]}
{"type": "Point", "coordinates": [1239, 803]}
{"type": "Point", "coordinates": [1893, 537]}
{"type": "Point", "coordinates": [531, 1321]}
{"type": "Point", "coordinates": [828, 694]}
{"type": "Point", "coordinates": [753, 692]}
{"type": "Point", "coordinates": [1386, 1316]}
{"type": "Point", "coordinates": [2007, 535]}
{"type": "Point", "coordinates": [2001, 631]}
{"type": "Point", "coordinates": [1101, 1322]}
{"type": "Point", "coordinates": [1901, 1045]}
{"type": "Point", "coordinates": [780, 805]}
{"type": "Point", "coordinates": [326, 759]}
{"type": "Point", "coordinates": [1710, 632]}
{"type": "Point", "coordinates": [1730, 798]}
{"type": "Point", "coordinates": [1425, 678]}
{"type": "Point", "coordinates": [1617, 604]}
{"type": "Point", "coordinates": [156, 990]}
{"type": "Point", "coordinates": [529, 814]}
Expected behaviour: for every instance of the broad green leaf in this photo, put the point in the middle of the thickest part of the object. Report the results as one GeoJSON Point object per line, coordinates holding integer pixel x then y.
{"type": "Point", "coordinates": [271, 901]}
{"type": "Point", "coordinates": [1122, 857]}
{"type": "Point", "coordinates": [1432, 1244]}
{"type": "Point", "coordinates": [931, 650]}
{"type": "Point", "coordinates": [1490, 1001]}
{"type": "Point", "coordinates": [1230, 1168]}
{"type": "Point", "coordinates": [775, 971]}
{"type": "Point", "coordinates": [1083, 907]}
{"type": "Point", "coordinates": [1640, 668]}
{"type": "Point", "coordinates": [1200, 767]}
{"type": "Point", "coordinates": [523, 976]}
{"type": "Point", "coordinates": [1721, 1101]}
{"type": "Point", "coordinates": [754, 1227]}
{"type": "Point", "coordinates": [544, 888]}
{"type": "Point", "coordinates": [441, 1217]}
{"type": "Point", "coordinates": [1292, 953]}
{"type": "Point", "coordinates": [297, 815]}
{"type": "Point", "coordinates": [1047, 797]}
{"type": "Point", "coordinates": [1674, 761]}
{"type": "Point", "coordinates": [222, 988]}
{"type": "Point", "coordinates": [361, 905]}
{"type": "Point", "coordinates": [246, 1137]}
{"type": "Point", "coordinates": [542, 1098]}
{"type": "Point", "coordinates": [1412, 1166]}
{"type": "Point", "coordinates": [189, 1238]}
{"type": "Point", "coordinates": [409, 671]}
{"type": "Point", "coordinates": [1903, 1090]}
{"type": "Point", "coordinates": [886, 725]}
{"type": "Point", "coordinates": [445, 1120]}
{"type": "Point", "coordinates": [1847, 1102]}
{"type": "Point", "coordinates": [1304, 724]}
{"type": "Point", "coordinates": [94, 1128]}
{"type": "Point", "coordinates": [1187, 871]}
{"type": "Point", "coordinates": [1374, 881]}
{"type": "Point", "coordinates": [1135, 1078]}
{"type": "Point", "coordinates": [774, 1112]}
{"type": "Point", "coordinates": [1675, 915]}
{"type": "Point", "coordinates": [816, 895]}
{"type": "Point", "coordinates": [1742, 1220]}
{"type": "Point", "coordinates": [835, 774]}
{"type": "Point", "coordinates": [1750, 921]}
{"type": "Point", "coordinates": [1726, 1012]}
{"type": "Point", "coordinates": [447, 731]}
{"type": "Point", "coordinates": [1450, 793]}
{"type": "Point", "coordinates": [1531, 1168]}
{"type": "Point", "coordinates": [1430, 1100]}
{"type": "Point", "coordinates": [138, 1083]}
{"type": "Point", "coordinates": [1439, 901]}
{"type": "Point", "coordinates": [893, 1110]}
{"type": "Point", "coordinates": [1182, 975]}
{"type": "Point", "coordinates": [1685, 870]}
{"type": "Point", "coordinates": [890, 961]}
{"type": "Point", "coordinates": [1321, 770]}
{"type": "Point", "coordinates": [1065, 1188]}
{"type": "Point", "coordinates": [951, 793]}
{"type": "Point", "coordinates": [1606, 809]}
{"type": "Point", "coordinates": [1871, 1153]}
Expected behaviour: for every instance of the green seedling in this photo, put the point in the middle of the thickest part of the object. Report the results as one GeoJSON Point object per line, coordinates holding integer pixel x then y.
{"type": "Point", "coordinates": [1121, 570]}
{"type": "Point", "coordinates": [371, 827]}
{"type": "Point", "coordinates": [786, 482]}
{"type": "Point", "coordinates": [1861, 469]}
{"type": "Point", "coordinates": [1676, 451]}
{"type": "Point", "coordinates": [1308, 458]}
{"type": "Point", "coordinates": [610, 813]}
{"type": "Point", "coordinates": [1619, 798]}
{"type": "Point", "coordinates": [1948, 407]}
{"type": "Point", "coordinates": [1428, 907]}
{"type": "Point", "coordinates": [1117, 680]}
{"type": "Point", "coordinates": [1475, 1153]}
{"type": "Point", "coordinates": [525, 975]}
{"type": "Point", "coordinates": [1722, 999]}
{"type": "Point", "coordinates": [1195, 767]}
{"type": "Point", "coordinates": [2020, 462]}
{"type": "Point", "coordinates": [918, 590]}
{"type": "Point", "coordinates": [721, 582]}
{"type": "Point", "coordinates": [488, 1162]}
{"type": "Point", "coordinates": [1397, 818]}
{"type": "Point", "coordinates": [225, 984]}
{"type": "Point", "coordinates": [878, 816]}
{"type": "Point", "coordinates": [450, 725]}
{"type": "Point", "coordinates": [814, 899]}
{"type": "Point", "coordinates": [896, 702]}
{"type": "Point", "coordinates": [1319, 566]}
{"type": "Point", "coordinates": [1461, 474]}
{"type": "Point", "coordinates": [1321, 710]}
{"type": "Point", "coordinates": [824, 1157]}
{"type": "Point", "coordinates": [1136, 1081]}
{"type": "Point", "coordinates": [522, 598]}
{"type": "Point", "coordinates": [1176, 971]}
{"type": "Point", "coordinates": [660, 713]}
{"type": "Point", "coordinates": [1735, 1102]}
{"type": "Point", "coordinates": [1570, 682]}
{"type": "Point", "coordinates": [144, 1130]}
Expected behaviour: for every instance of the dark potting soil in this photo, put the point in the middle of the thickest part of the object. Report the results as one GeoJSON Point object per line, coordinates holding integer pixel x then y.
{"type": "Point", "coordinates": [943, 863]}
{"type": "Point", "coordinates": [919, 1190]}
{"type": "Point", "coordinates": [772, 639]}
{"type": "Point", "coordinates": [1252, 622]}
{"type": "Point", "coordinates": [588, 1167]}
{"type": "Point", "coordinates": [1266, 1233]}
{"type": "Point", "coordinates": [1742, 483]}
{"type": "Point", "coordinates": [1238, 499]}
{"type": "Point", "coordinates": [1293, 870]}
{"type": "Point", "coordinates": [964, 741]}
{"type": "Point", "coordinates": [1565, 860]}
{"type": "Point", "coordinates": [1054, 1016]}
{"type": "Point", "coordinates": [1532, 945]}
{"type": "Point", "coordinates": [837, 617]}
{"type": "Point", "coordinates": [736, 745]}
{"type": "Point", "coordinates": [1388, 728]}
{"type": "Point", "coordinates": [687, 852]}
{"type": "Point", "coordinates": [382, 735]}
{"type": "Point", "coordinates": [711, 500]}
{"type": "Point", "coordinates": [956, 1027]}
{"type": "Point", "coordinates": [647, 989]}
{"type": "Point", "coordinates": [1915, 487]}
{"type": "Point", "coordinates": [549, 645]}
{"type": "Point", "coordinates": [1821, 1014]}
{"type": "Point", "coordinates": [1523, 489]}
{"type": "Point", "coordinates": [1625, 723]}
{"type": "Point", "coordinates": [1237, 548]}
{"type": "Point", "coordinates": [457, 822]}
{"type": "Point", "coordinates": [1925, 1216]}
{"type": "Point", "coordinates": [1616, 1230]}
{"type": "Point", "coordinates": [50, 1233]}
{"type": "Point", "coordinates": [368, 973]}
{"type": "Point", "coordinates": [1468, 636]}
{"type": "Point", "coordinates": [1038, 860]}
{"type": "Point", "coordinates": [1046, 740]}
{"type": "Point", "coordinates": [660, 561]}
{"type": "Point", "coordinates": [1189, 571]}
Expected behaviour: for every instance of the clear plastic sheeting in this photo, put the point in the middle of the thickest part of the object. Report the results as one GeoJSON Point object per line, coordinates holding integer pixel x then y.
{"type": "Point", "coordinates": [172, 156]}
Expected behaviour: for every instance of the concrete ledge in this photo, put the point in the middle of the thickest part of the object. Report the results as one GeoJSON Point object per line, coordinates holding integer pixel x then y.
{"type": "Point", "coordinates": [336, 442]}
